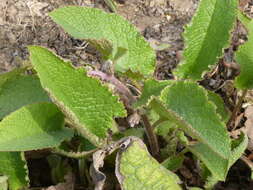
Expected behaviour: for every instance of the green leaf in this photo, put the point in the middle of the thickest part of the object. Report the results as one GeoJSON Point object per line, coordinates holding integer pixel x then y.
{"type": "Point", "coordinates": [35, 126]}
{"type": "Point", "coordinates": [210, 183]}
{"type": "Point", "coordinates": [10, 75]}
{"type": "Point", "coordinates": [187, 105]}
{"type": "Point", "coordinates": [197, 116]}
{"type": "Point", "coordinates": [238, 147]}
{"type": "Point", "coordinates": [104, 47]}
{"type": "Point", "coordinates": [244, 58]}
{"type": "Point", "coordinates": [218, 165]}
{"type": "Point", "coordinates": [173, 163]}
{"type": "Point", "coordinates": [207, 36]}
{"type": "Point", "coordinates": [13, 166]}
{"type": "Point", "coordinates": [111, 4]}
{"type": "Point", "coordinates": [91, 23]}
{"type": "Point", "coordinates": [136, 132]}
{"type": "Point", "coordinates": [89, 105]}
{"type": "Point", "coordinates": [136, 169]}
{"type": "Point", "coordinates": [245, 20]}
{"type": "Point", "coordinates": [19, 90]}
{"type": "Point", "coordinates": [164, 128]}
{"type": "Point", "coordinates": [151, 88]}
{"type": "Point", "coordinates": [220, 106]}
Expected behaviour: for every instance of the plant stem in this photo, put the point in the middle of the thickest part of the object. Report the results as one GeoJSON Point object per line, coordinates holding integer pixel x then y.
{"type": "Point", "coordinates": [120, 87]}
{"type": "Point", "coordinates": [236, 109]}
{"type": "Point", "coordinates": [76, 155]}
{"type": "Point", "coordinates": [112, 5]}
{"type": "Point", "coordinates": [124, 91]}
{"type": "Point", "coordinates": [153, 142]}
{"type": "Point", "coordinates": [158, 122]}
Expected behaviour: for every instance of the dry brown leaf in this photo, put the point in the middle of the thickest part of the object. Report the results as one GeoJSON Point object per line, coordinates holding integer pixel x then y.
{"type": "Point", "coordinates": [243, 3]}
{"type": "Point", "coordinates": [182, 5]}
{"type": "Point", "coordinates": [249, 125]}
{"type": "Point", "coordinates": [68, 185]}
{"type": "Point", "coordinates": [35, 7]}
{"type": "Point", "coordinates": [99, 177]}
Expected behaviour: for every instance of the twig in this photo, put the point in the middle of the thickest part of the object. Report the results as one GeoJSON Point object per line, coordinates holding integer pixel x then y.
{"type": "Point", "coordinates": [153, 142]}
{"type": "Point", "coordinates": [75, 155]}
{"type": "Point", "coordinates": [236, 109]}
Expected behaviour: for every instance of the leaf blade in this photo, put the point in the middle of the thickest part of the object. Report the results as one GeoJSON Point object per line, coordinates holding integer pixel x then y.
{"type": "Point", "coordinates": [41, 124]}
{"type": "Point", "coordinates": [220, 106]}
{"type": "Point", "coordinates": [91, 23]}
{"type": "Point", "coordinates": [151, 88]}
{"type": "Point", "coordinates": [191, 104]}
{"type": "Point", "coordinates": [88, 104]}
{"type": "Point", "coordinates": [136, 169]}
{"type": "Point", "coordinates": [245, 59]}
{"type": "Point", "coordinates": [12, 165]}
{"type": "Point", "coordinates": [18, 91]}
{"type": "Point", "coordinates": [206, 36]}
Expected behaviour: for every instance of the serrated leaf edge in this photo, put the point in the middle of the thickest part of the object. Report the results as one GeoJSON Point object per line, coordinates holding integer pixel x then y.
{"type": "Point", "coordinates": [63, 127]}
{"type": "Point", "coordinates": [151, 97]}
{"type": "Point", "coordinates": [159, 101]}
{"type": "Point", "coordinates": [69, 114]}
{"type": "Point", "coordinates": [26, 168]}
{"type": "Point", "coordinates": [210, 67]}
{"type": "Point", "coordinates": [133, 139]}
{"type": "Point", "coordinates": [137, 33]}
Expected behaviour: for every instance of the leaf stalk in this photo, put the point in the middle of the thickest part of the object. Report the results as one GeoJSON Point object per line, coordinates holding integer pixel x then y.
{"type": "Point", "coordinates": [76, 155]}
{"type": "Point", "coordinates": [152, 138]}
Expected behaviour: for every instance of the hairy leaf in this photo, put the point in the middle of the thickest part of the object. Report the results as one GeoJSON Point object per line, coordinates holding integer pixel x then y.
{"type": "Point", "coordinates": [244, 58]}
{"type": "Point", "coordinates": [151, 88]}
{"type": "Point", "coordinates": [4, 77]}
{"type": "Point", "coordinates": [91, 23]}
{"type": "Point", "coordinates": [89, 105]}
{"type": "Point", "coordinates": [244, 19]}
{"type": "Point", "coordinates": [218, 165]}
{"type": "Point", "coordinates": [220, 106]}
{"type": "Point", "coordinates": [238, 147]}
{"type": "Point", "coordinates": [173, 162]}
{"type": "Point", "coordinates": [104, 47]}
{"type": "Point", "coordinates": [35, 126]}
{"type": "Point", "coordinates": [13, 166]}
{"type": "Point", "coordinates": [190, 103]}
{"type": "Point", "coordinates": [206, 36]}
{"type": "Point", "coordinates": [20, 90]}
{"type": "Point", "coordinates": [136, 169]}
{"type": "Point", "coordinates": [187, 105]}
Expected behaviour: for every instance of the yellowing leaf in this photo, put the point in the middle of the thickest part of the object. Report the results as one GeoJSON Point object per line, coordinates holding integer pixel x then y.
{"type": "Point", "coordinates": [136, 169]}
{"type": "Point", "coordinates": [88, 104]}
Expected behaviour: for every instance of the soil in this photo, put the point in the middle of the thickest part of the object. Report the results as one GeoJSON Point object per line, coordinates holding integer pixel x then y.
{"type": "Point", "coordinates": [25, 22]}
